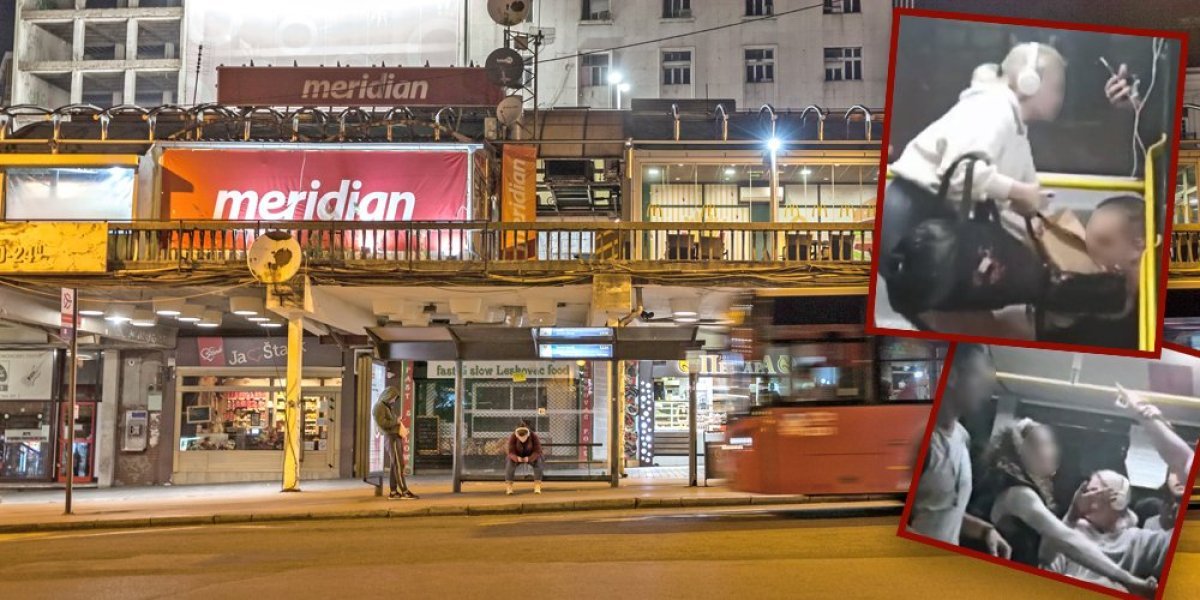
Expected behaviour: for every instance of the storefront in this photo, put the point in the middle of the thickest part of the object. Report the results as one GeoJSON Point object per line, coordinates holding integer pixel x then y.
{"type": "Point", "coordinates": [31, 445]}
{"type": "Point", "coordinates": [230, 401]}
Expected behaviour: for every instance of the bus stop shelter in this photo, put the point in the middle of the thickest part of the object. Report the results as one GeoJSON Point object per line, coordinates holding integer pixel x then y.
{"type": "Point", "coordinates": [606, 347]}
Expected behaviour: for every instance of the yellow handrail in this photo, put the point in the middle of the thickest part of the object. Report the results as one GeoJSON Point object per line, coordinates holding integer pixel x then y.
{"type": "Point", "coordinates": [1101, 183]}
{"type": "Point", "coordinates": [1148, 298]}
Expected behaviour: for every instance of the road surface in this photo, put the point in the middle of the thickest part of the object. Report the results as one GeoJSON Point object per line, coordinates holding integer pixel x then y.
{"type": "Point", "coordinates": [745, 553]}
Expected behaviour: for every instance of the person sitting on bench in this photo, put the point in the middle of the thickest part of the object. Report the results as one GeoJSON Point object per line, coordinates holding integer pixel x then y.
{"type": "Point", "coordinates": [524, 448]}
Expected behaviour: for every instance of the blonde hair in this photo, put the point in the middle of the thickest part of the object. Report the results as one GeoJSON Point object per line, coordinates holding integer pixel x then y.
{"type": "Point", "coordinates": [1018, 59]}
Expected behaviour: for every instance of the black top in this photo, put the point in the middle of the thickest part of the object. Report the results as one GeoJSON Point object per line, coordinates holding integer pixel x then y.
{"type": "Point", "coordinates": [1097, 331]}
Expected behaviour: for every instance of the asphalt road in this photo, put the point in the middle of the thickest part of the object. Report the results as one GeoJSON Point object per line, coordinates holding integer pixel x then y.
{"type": "Point", "coordinates": [718, 554]}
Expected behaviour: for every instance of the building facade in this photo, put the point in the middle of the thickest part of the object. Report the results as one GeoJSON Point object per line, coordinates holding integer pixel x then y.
{"type": "Point", "coordinates": [752, 52]}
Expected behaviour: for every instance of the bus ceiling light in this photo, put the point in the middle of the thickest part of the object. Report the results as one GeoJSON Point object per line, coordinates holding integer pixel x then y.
{"type": "Point", "coordinates": [615, 77]}
{"type": "Point", "coordinates": [774, 144]}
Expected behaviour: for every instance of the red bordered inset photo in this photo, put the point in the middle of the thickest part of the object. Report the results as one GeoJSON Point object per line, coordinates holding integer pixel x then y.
{"type": "Point", "coordinates": [1075, 467]}
{"type": "Point", "coordinates": [1028, 166]}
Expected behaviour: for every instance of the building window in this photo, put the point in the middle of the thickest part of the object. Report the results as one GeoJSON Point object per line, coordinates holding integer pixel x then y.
{"type": "Point", "coordinates": [593, 68]}
{"type": "Point", "coordinates": [597, 10]}
{"type": "Point", "coordinates": [843, 64]}
{"type": "Point", "coordinates": [760, 8]}
{"type": "Point", "coordinates": [834, 7]}
{"type": "Point", "coordinates": [677, 9]}
{"type": "Point", "coordinates": [677, 67]}
{"type": "Point", "coordinates": [760, 65]}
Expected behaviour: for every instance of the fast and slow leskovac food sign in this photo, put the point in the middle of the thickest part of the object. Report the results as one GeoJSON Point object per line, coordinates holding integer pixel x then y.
{"type": "Point", "coordinates": [307, 184]}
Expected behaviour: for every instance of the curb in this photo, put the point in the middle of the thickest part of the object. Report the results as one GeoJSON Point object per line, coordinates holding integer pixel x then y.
{"type": "Point", "coordinates": [461, 510]}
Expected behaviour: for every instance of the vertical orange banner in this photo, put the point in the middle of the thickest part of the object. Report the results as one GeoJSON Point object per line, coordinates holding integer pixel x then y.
{"type": "Point", "coordinates": [518, 195]}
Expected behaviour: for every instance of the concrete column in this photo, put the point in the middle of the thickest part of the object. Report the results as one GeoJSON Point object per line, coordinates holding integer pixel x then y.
{"type": "Point", "coordinates": [76, 87]}
{"type": "Point", "coordinates": [130, 87]}
{"type": "Point", "coordinates": [108, 418]}
{"type": "Point", "coordinates": [131, 39]}
{"type": "Point", "coordinates": [77, 39]}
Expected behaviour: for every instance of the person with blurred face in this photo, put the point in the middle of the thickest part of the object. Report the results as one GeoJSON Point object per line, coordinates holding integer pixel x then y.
{"type": "Point", "coordinates": [1021, 462]}
{"type": "Point", "coordinates": [1115, 236]}
{"type": "Point", "coordinates": [989, 120]}
{"type": "Point", "coordinates": [1173, 449]}
{"type": "Point", "coordinates": [1100, 508]}
{"type": "Point", "coordinates": [944, 489]}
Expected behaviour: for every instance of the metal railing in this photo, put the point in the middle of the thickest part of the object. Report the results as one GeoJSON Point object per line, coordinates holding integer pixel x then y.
{"type": "Point", "coordinates": [192, 244]}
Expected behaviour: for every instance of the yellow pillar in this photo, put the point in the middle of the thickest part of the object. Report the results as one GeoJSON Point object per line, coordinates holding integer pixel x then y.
{"type": "Point", "coordinates": [294, 411]}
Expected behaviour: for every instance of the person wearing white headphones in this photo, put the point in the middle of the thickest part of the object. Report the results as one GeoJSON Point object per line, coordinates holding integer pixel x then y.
{"type": "Point", "coordinates": [1017, 494]}
{"type": "Point", "coordinates": [990, 119]}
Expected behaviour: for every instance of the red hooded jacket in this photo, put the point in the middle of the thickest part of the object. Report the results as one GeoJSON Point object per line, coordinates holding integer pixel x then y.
{"type": "Point", "coordinates": [531, 448]}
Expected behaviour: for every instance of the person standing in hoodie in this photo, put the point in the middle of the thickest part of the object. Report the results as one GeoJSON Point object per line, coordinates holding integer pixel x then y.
{"type": "Point", "coordinates": [524, 448]}
{"type": "Point", "coordinates": [990, 120]}
{"type": "Point", "coordinates": [389, 422]}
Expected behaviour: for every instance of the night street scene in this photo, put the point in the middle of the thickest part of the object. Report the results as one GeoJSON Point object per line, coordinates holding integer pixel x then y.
{"type": "Point", "coordinates": [552, 299]}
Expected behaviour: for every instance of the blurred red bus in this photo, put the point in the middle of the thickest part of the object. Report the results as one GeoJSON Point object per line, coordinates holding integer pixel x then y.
{"type": "Point", "coordinates": [831, 410]}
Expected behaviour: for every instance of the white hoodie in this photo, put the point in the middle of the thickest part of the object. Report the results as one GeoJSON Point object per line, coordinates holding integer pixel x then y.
{"type": "Point", "coordinates": [986, 120]}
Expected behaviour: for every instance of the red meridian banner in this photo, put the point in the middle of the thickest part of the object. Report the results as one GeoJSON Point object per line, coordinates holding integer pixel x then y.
{"type": "Point", "coordinates": [356, 86]}
{"type": "Point", "coordinates": [314, 185]}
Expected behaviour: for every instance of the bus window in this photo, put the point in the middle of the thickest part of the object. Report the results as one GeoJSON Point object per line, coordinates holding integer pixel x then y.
{"type": "Point", "coordinates": [821, 372]}
{"type": "Point", "coordinates": [908, 369]}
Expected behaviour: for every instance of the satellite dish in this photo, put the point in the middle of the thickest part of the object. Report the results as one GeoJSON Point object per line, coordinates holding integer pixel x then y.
{"type": "Point", "coordinates": [510, 109]}
{"type": "Point", "coordinates": [508, 12]}
{"type": "Point", "coordinates": [274, 257]}
{"type": "Point", "coordinates": [505, 67]}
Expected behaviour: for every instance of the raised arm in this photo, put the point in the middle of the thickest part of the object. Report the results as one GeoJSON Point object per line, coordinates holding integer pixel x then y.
{"type": "Point", "coordinates": [1024, 504]}
{"type": "Point", "coordinates": [1173, 450]}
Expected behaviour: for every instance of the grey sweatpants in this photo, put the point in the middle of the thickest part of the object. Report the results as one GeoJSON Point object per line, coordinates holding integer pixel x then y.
{"type": "Point", "coordinates": [511, 469]}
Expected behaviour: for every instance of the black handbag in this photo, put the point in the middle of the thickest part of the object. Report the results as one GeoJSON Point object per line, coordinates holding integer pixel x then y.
{"type": "Point", "coordinates": [966, 260]}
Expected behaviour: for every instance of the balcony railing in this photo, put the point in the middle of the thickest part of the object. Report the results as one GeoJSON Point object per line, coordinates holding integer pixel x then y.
{"type": "Point", "coordinates": [575, 247]}
{"type": "Point", "coordinates": [495, 246]}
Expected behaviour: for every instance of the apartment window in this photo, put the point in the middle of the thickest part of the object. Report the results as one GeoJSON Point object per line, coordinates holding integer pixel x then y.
{"type": "Point", "coordinates": [677, 67]}
{"type": "Point", "coordinates": [593, 68]}
{"type": "Point", "coordinates": [760, 65]}
{"type": "Point", "coordinates": [597, 10]}
{"type": "Point", "coordinates": [760, 8]}
{"type": "Point", "coordinates": [677, 9]}
{"type": "Point", "coordinates": [843, 64]}
{"type": "Point", "coordinates": [835, 7]}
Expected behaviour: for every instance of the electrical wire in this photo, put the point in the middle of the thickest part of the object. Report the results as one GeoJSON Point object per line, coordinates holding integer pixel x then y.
{"type": "Point", "coordinates": [1137, 144]}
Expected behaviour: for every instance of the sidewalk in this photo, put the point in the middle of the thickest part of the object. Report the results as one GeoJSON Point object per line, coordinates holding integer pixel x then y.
{"type": "Point", "coordinates": [41, 510]}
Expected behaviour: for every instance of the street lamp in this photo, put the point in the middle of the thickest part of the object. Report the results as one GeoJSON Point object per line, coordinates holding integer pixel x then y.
{"type": "Point", "coordinates": [773, 146]}
{"type": "Point", "coordinates": [616, 79]}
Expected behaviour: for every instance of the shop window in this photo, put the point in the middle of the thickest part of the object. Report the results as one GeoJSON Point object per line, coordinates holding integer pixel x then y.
{"type": "Point", "coordinates": [88, 194]}
{"type": "Point", "coordinates": [1187, 209]}
{"type": "Point", "coordinates": [26, 441]}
